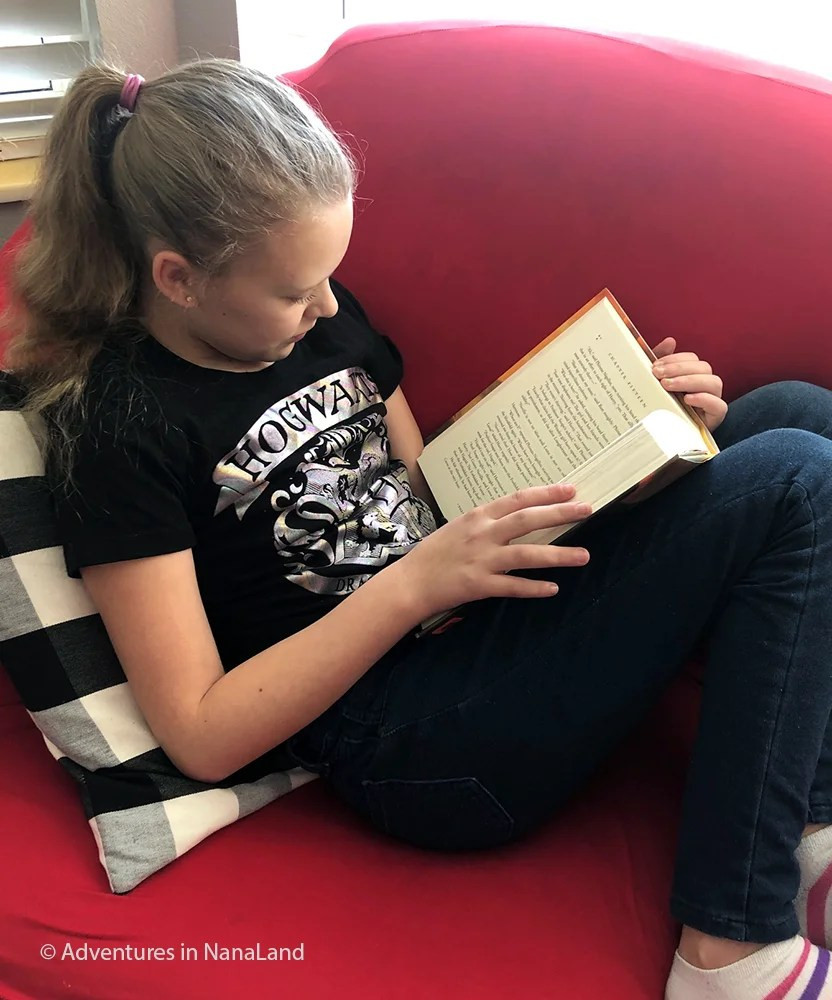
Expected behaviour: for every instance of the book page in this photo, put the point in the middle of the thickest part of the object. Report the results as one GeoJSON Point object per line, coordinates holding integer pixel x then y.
{"type": "Point", "coordinates": [570, 401]}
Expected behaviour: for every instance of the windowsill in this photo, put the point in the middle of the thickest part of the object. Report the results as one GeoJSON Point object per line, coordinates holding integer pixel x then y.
{"type": "Point", "coordinates": [17, 179]}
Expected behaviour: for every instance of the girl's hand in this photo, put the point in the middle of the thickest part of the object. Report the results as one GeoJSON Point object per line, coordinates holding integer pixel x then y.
{"type": "Point", "coordinates": [467, 559]}
{"type": "Point", "coordinates": [685, 373]}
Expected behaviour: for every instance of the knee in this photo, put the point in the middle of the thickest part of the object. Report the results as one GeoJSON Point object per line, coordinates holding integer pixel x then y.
{"type": "Point", "coordinates": [788, 454]}
{"type": "Point", "coordinates": [793, 396]}
{"type": "Point", "coordinates": [791, 404]}
{"type": "Point", "coordinates": [779, 404]}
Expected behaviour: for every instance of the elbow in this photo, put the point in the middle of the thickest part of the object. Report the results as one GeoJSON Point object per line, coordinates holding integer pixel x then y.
{"type": "Point", "coordinates": [204, 772]}
{"type": "Point", "coordinates": [198, 765]}
{"type": "Point", "coordinates": [210, 750]}
{"type": "Point", "coordinates": [197, 749]}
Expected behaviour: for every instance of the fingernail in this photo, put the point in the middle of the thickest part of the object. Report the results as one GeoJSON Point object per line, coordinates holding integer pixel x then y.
{"type": "Point", "coordinates": [668, 381]}
{"type": "Point", "coordinates": [583, 508]}
{"type": "Point", "coordinates": [658, 369]}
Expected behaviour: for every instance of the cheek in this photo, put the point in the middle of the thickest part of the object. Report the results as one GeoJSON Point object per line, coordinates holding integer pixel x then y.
{"type": "Point", "coordinates": [278, 319]}
{"type": "Point", "coordinates": [247, 316]}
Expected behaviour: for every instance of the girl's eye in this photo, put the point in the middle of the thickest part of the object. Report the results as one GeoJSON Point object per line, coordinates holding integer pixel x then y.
{"type": "Point", "coordinates": [304, 300]}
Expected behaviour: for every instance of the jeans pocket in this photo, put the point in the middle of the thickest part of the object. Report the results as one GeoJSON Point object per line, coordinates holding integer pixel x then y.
{"type": "Point", "coordinates": [450, 814]}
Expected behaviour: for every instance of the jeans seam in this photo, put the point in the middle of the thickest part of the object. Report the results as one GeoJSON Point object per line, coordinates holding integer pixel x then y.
{"type": "Point", "coordinates": [476, 790]}
{"type": "Point", "coordinates": [776, 729]}
{"type": "Point", "coordinates": [573, 621]}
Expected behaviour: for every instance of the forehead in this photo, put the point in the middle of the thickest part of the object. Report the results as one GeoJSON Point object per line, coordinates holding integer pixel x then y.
{"type": "Point", "coordinates": [303, 253]}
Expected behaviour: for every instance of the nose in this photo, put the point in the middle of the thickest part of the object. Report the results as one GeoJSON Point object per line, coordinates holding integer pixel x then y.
{"type": "Point", "coordinates": [327, 304]}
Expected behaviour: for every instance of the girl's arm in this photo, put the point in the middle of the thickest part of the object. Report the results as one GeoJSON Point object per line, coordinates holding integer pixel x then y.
{"type": "Point", "coordinates": [212, 723]}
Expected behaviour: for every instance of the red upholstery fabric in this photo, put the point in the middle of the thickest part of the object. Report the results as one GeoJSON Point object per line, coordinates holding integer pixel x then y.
{"type": "Point", "coordinates": [510, 173]}
{"type": "Point", "coordinates": [7, 252]}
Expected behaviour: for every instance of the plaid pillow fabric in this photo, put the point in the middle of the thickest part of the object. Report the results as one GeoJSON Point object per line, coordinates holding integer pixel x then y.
{"type": "Point", "coordinates": [143, 812]}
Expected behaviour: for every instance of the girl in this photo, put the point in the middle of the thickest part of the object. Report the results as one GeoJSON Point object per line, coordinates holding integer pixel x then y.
{"type": "Point", "coordinates": [236, 483]}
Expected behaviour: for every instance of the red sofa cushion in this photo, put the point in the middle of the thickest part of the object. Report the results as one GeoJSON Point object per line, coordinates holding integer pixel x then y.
{"type": "Point", "coordinates": [577, 910]}
{"type": "Point", "coordinates": [510, 174]}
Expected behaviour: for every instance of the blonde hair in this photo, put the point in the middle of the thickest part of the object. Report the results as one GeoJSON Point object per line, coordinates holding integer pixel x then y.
{"type": "Point", "coordinates": [215, 156]}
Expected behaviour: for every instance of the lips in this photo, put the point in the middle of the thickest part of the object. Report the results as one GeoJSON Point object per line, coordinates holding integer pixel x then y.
{"type": "Point", "coordinates": [302, 334]}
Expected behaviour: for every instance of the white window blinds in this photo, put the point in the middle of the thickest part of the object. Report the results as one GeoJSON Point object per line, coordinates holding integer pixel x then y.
{"type": "Point", "coordinates": [43, 44]}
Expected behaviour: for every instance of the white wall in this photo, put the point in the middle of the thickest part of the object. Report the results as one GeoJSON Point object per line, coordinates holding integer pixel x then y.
{"type": "Point", "coordinates": [139, 35]}
{"type": "Point", "coordinates": [148, 36]}
{"type": "Point", "coordinates": [208, 28]}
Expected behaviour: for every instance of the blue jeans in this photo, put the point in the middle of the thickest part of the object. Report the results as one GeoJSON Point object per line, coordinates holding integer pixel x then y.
{"type": "Point", "coordinates": [471, 738]}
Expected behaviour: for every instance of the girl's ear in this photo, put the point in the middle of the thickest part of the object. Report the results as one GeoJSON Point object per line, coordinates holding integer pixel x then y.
{"type": "Point", "coordinates": [175, 278]}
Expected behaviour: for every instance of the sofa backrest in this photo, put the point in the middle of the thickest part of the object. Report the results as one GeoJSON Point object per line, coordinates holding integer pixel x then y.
{"type": "Point", "coordinates": [512, 172]}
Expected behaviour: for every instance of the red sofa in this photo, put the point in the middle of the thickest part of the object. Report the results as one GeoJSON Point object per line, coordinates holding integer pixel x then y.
{"type": "Point", "coordinates": [511, 172]}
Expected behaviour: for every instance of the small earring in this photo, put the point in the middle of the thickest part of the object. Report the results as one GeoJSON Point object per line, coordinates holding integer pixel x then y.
{"type": "Point", "coordinates": [189, 299]}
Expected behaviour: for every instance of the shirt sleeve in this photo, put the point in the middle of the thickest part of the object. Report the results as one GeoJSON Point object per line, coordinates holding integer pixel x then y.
{"type": "Point", "coordinates": [385, 364]}
{"type": "Point", "coordinates": [124, 497]}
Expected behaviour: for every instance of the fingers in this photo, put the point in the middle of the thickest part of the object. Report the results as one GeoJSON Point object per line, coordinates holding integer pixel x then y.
{"type": "Point", "coordinates": [521, 522]}
{"type": "Point", "coordinates": [540, 557]}
{"type": "Point", "coordinates": [686, 373]}
{"type": "Point", "coordinates": [533, 495]}
{"type": "Point", "coordinates": [711, 407]}
{"type": "Point", "coordinates": [666, 347]}
{"type": "Point", "coordinates": [681, 364]}
{"type": "Point", "coordinates": [531, 509]}
{"type": "Point", "coordinates": [515, 586]}
{"type": "Point", "coordinates": [694, 383]}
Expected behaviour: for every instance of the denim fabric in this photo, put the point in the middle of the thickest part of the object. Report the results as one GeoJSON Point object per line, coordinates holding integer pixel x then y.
{"type": "Point", "coordinates": [470, 738]}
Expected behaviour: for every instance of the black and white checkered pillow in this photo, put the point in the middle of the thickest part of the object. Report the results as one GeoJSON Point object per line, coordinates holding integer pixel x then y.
{"type": "Point", "coordinates": [144, 812]}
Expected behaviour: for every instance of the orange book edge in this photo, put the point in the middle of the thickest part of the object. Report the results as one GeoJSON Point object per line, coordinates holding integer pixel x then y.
{"type": "Point", "coordinates": [605, 293]}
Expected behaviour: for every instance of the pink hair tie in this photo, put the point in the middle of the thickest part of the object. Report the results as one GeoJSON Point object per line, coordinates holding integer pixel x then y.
{"type": "Point", "coordinates": [130, 91]}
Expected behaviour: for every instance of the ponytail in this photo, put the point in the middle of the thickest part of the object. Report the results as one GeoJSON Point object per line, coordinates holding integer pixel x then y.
{"type": "Point", "coordinates": [213, 157]}
{"type": "Point", "coordinates": [76, 273]}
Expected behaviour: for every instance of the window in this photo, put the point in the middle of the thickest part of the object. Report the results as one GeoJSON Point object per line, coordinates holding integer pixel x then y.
{"type": "Point", "coordinates": [43, 44]}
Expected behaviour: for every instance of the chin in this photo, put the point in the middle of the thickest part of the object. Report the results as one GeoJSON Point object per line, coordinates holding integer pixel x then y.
{"type": "Point", "coordinates": [263, 358]}
{"type": "Point", "coordinates": [270, 352]}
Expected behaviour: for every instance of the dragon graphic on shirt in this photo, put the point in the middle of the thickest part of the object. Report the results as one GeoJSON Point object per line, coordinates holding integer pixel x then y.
{"type": "Point", "coordinates": [321, 459]}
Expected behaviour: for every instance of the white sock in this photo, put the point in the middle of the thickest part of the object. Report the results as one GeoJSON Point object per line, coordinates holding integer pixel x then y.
{"type": "Point", "coordinates": [814, 855]}
{"type": "Point", "coordinates": [788, 970]}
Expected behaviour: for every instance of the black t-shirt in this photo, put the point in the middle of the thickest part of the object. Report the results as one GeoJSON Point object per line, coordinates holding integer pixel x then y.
{"type": "Point", "coordinates": [280, 480]}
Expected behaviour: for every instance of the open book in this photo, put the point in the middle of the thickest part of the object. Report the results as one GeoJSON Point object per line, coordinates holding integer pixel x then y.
{"type": "Point", "coordinates": [583, 407]}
